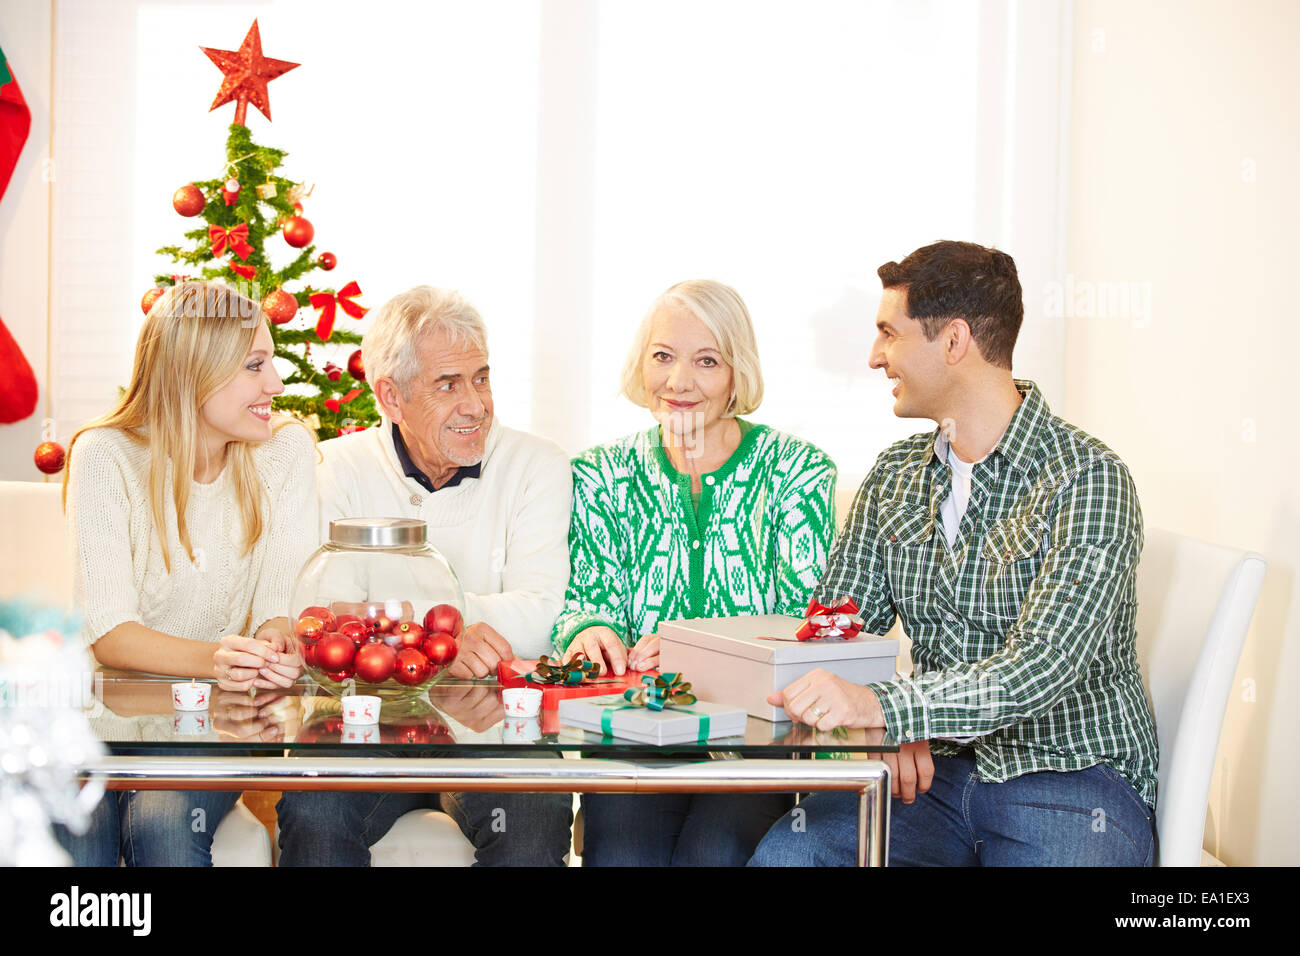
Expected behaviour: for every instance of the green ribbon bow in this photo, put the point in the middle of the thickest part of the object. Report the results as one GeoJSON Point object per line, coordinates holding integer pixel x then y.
{"type": "Point", "coordinates": [656, 693]}
{"type": "Point", "coordinates": [660, 692]}
{"type": "Point", "coordinates": [574, 671]}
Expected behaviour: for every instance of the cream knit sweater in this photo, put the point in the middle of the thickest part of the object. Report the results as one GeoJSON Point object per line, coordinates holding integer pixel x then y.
{"type": "Point", "coordinates": [505, 533]}
{"type": "Point", "coordinates": [119, 570]}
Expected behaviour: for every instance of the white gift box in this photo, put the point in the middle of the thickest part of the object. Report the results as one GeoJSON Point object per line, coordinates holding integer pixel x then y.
{"type": "Point", "coordinates": [740, 660]}
{"type": "Point", "coordinates": [675, 724]}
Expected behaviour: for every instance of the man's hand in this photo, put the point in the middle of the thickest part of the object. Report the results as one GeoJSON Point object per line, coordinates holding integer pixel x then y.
{"type": "Point", "coordinates": [603, 646]}
{"type": "Point", "coordinates": [645, 654]}
{"type": "Point", "coordinates": [481, 649]}
{"type": "Point", "coordinates": [822, 700]}
{"type": "Point", "coordinates": [911, 770]}
{"type": "Point", "coordinates": [472, 705]}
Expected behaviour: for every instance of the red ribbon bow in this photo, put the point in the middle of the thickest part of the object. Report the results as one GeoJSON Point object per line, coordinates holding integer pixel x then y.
{"type": "Point", "coordinates": [326, 302]}
{"type": "Point", "coordinates": [236, 238]}
{"type": "Point", "coordinates": [333, 403]}
{"type": "Point", "coordinates": [841, 621]}
{"type": "Point", "coordinates": [246, 271]}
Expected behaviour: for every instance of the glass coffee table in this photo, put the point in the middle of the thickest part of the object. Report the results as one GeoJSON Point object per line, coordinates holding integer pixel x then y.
{"type": "Point", "coordinates": [457, 737]}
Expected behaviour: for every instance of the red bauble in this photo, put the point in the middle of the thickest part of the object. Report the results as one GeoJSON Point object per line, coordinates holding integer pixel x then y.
{"type": "Point", "coordinates": [412, 634]}
{"type": "Point", "coordinates": [440, 648]}
{"type": "Point", "coordinates": [445, 618]}
{"type": "Point", "coordinates": [49, 457]}
{"type": "Point", "coordinates": [375, 663]}
{"type": "Point", "coordinates": [412, 667]}
{"type": "Point", "coordinates": [150, 297]}
{"type": "Point", "coordinates": [298, 231]}
{"type": "Point", "coordinates": [279, 306]}
{"type": "Point", "coordinates": [309, 629]}
{"type": "Point", "coordinates": [355, 368]}
{"type": "Point", "coordinates": [188, 200]}
{"type": "Point", "coordinates": [327, 260]}
{"type": "Point", "coordinates": [335, 652]}
{"type": "Point", "coordinates": [354, 631]}
{"type": "Point", "coordinates": [323, 614]}
{"type": "Point", "coordinates": [309, 655]}
{"type": "Point", "coordinates": [344, 618]}
{"type": "Point", "coordinates": [339, 677]}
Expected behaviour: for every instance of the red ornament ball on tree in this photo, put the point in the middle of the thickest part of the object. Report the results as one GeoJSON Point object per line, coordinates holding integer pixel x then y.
{"type": "Point", "coordinates": [445, 618]}
{"type": "Point", "coordinates": [150, 297]}
{"type": "Point", "coordinates": [440, 648]}
{"type": "Point", "coordinates": [375, 663]}
{"type": "Point", "coordinates": [335, 652]}
{"type": "Point", "coordinates": [188, 200]}
{"type": "Point", "coordinates": [412, 667]}
{"type": "Point", "coordinates": [327, 260]}
{"type": "Point", "coordinates": [279, 306]}
{"type": "Point", "coordinates": [298, 231]}
{"type": "Point", "coordinates": [49, 457]}
{"type": "Point", "coordinates": [355, 368]}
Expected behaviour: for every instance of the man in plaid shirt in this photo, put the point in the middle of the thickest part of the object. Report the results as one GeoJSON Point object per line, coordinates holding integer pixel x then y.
{"type": "Point", "coordinates": [1007, 541]}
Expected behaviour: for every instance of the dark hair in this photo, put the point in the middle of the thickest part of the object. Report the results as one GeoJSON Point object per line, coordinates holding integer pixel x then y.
{"type": "Point", "coordinates": [961, 280]}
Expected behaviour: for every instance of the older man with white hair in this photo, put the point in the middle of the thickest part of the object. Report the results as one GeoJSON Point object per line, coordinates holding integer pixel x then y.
{"type": "Point", "coordinates": [497, 504]}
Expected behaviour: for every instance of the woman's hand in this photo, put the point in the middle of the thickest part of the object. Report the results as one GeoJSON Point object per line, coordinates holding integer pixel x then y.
{"type": "Point", "coordinates": [242, 662]}
{"type": "Point", "coordinates": [289, 667]}
{"type": "Point", "coordinates": [645, 654]}
{"type": "Point", "coordinates": [602, 646]}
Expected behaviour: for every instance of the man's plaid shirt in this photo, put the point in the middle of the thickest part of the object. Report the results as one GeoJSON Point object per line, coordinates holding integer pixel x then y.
{"type": "Point", "coordinates": [1023, 635]}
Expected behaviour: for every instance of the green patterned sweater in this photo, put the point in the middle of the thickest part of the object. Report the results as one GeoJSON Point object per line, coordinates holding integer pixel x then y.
{"type": "Point", "coordinates": [642, 553]}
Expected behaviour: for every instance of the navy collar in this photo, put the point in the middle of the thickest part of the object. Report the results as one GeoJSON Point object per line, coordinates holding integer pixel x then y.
{"type": "Point", "coordinates": [412, 471]}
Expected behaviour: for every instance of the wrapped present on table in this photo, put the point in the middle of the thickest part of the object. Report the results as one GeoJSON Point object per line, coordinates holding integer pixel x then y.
{"type": "Point", "coordinates": [738, 661]}
{"type": "Point", "coordinates": [659, 711]}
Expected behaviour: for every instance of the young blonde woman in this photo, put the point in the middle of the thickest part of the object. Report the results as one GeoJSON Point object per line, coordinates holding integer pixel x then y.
{"type": "Point", "coordinates": [703, 515]}
{"type": "Point", "coordinates": [192, 508]}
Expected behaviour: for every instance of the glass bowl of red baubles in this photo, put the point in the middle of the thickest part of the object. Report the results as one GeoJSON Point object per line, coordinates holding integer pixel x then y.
{"type": "Point", "coordinates": [377, 609]}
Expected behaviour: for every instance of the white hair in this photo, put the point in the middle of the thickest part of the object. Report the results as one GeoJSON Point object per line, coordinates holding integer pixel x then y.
{"type": "Point", "coordinates": [390, 348]}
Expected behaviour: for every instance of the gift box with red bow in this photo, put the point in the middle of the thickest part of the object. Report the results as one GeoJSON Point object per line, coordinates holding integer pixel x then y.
{"type": "Point", "coordinates": [515, 674]}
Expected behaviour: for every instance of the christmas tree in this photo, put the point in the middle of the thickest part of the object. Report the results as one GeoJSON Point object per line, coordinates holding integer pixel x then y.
{"type": "Point", "coordinates": [247, 212]}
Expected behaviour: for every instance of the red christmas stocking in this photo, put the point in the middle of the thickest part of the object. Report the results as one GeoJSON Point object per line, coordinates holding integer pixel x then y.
{"type": "Point", "coordinates": [17, 383]}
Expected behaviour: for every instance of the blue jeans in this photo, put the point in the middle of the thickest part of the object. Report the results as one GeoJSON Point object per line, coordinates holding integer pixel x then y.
{"type": "Point", "coordinates": [1090, 817]}
{"type": "Point", "coordinates": [150, 828]}
{"type": "Point", "coordinates": [676, 829]}
{"type": "Point", "coordinates": [321, 828]}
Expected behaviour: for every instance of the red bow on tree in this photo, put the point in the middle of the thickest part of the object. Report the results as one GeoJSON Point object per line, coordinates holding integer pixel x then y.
{"type": "Point", "coordinates": [241, 270]}
{"type": "Point", "coordinates": [839, 621]}
{"type": "Point", "coordinates": [333, 403]}
{"type": "Point", "coordinates": [236, 238]}
{"type": "Point", "coordinates": [327, 302]}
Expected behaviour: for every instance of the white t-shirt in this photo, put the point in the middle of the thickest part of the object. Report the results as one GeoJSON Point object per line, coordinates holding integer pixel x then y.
{"type": "Point", "coordinates": [954, 506]}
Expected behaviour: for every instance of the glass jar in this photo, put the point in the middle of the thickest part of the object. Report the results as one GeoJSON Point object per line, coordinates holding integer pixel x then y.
{"type": "Point", "coordinates": [378, 606]}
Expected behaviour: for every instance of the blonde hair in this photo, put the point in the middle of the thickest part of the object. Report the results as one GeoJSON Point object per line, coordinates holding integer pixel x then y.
{"type": "Point", "coordinates": [723, 313]}
{"type": "Point", "coordinates": [193, 343]}
{"type": "Point", "coordinates": [391, 345]}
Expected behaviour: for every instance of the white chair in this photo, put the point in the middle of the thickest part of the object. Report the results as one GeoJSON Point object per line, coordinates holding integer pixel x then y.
{"type": "Point", "coordinates": [423, 838]}
{"type": "Point", "coordinates": [1195, 602]}
{"type": "Point", "coordinates": [241, 839]}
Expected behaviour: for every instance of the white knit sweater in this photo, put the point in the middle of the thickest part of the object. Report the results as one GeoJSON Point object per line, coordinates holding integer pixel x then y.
{"type": "Point", "coordinates": [505, 533]}
{"type": "Point", "coordinates": [119, 569]}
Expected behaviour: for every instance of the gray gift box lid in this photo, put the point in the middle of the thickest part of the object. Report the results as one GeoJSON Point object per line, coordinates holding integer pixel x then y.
{"type": "Point", "coordinates": [749, 636]}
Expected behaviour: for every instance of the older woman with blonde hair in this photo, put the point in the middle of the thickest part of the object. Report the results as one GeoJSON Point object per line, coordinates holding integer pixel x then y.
{"type": "Point", "coordinates": [703, 515]}
{"type": "Point", "coordinates": [192, 507]}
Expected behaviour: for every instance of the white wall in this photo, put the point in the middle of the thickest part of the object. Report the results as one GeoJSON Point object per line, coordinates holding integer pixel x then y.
{"type": "Point", "coordinates": [1183, 181]}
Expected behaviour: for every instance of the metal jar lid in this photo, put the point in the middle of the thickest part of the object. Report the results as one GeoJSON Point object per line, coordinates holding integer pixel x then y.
{"type": "Point", "coordinates": [378, 532]}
